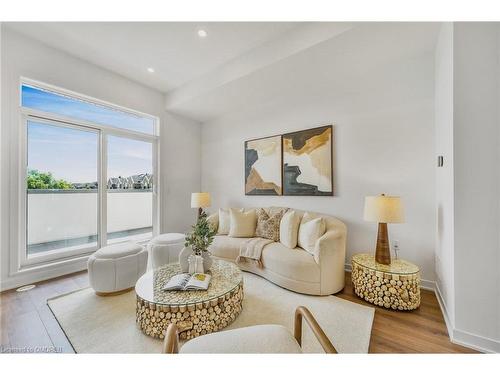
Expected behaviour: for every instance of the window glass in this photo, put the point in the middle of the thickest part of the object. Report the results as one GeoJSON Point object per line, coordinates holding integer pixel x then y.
{"type": "Point", "coordinates": [130, 189]}
{"type": "Point", "coordinates": [61, 182]}
{"type": "Point", "coordinates": [47, 101]}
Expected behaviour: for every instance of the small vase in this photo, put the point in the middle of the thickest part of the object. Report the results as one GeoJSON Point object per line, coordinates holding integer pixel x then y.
{"type": "Point", "coordinates": [195, 264]}
{"type": "Point", "coordinates": [207, 260]}
{"type": "Point", "coordinates": [183, 258]}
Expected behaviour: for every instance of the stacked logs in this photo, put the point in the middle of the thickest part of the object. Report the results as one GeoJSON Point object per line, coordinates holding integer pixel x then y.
{"type": "Point", "coordinates": [192, 320]}
{"type": "Point", "coordinates": [398, 292]}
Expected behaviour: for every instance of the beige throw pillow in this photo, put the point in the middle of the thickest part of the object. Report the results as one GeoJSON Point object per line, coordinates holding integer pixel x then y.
{"type": "Point", "coordinates": [242, 224]}
{"type": "Point", "coordinates": [268, 226]}
{"type": "Point", "coordinates": [289, 229]}
{"type": "Point", "coordinates": [310, 230]}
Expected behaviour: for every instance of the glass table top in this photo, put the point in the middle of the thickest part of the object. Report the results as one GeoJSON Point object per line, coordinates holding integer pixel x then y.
{"type": "Point", "coordinates": [226, 276]}
{"type": "Point", "coordinates": [397, 266]}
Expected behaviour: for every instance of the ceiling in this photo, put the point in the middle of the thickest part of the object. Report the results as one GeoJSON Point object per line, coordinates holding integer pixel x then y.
{"type": "Point", "coordinates": [355, 62]}
{"type": "Point", "coordinates": [243, 66]}
{"type": "Point", "coordinates": [173, 49]}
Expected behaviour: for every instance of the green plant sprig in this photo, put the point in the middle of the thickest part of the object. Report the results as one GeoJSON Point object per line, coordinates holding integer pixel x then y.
{"type": "Point", "coordinates": [202, 235]}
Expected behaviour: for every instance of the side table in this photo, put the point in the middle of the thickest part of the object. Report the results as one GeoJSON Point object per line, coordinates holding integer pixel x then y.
{"type": "Point", "coordinates": [395, 286]}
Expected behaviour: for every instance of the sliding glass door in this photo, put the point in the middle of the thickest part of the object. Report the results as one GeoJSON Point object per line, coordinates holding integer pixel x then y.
{"type": "Point", "coordinates": [89, 176]}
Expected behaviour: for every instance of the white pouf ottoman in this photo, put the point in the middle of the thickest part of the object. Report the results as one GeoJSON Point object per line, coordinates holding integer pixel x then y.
{"type": "Point", "coordinates": [165, 248]}
{"type": "Point", "coordinates": [116, 268]}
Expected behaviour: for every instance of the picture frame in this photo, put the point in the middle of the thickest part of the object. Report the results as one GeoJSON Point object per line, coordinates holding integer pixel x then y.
{"type": "Point", "coordinates": [307, 162]}
{"type": "Point", "coordinates": [263, 166]}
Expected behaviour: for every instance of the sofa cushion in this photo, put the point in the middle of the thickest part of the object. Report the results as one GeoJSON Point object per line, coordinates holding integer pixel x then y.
{"type": "Point", "coordinates": [226, 247]}
{"type": "Point", "coordinates": [242, 224]}
{"type": "Point", "coordinates": [310, 230]}
{"type": "Point", "coordinates": [267, 338]}
{"type": "Point", "coordinates": [295, 263]}
{"type": "Point", "coordinates": [268, 226]}
{"type": "Point", "coordinates": [289, 229]}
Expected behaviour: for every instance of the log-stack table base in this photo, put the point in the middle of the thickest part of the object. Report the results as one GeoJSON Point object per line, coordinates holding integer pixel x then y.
{"type": "Point", "coordinates": [395, 286]}
{"type": "Point", "coordinates": [194, 312]}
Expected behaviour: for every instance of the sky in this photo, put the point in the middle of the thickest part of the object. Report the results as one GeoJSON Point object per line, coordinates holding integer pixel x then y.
{"type": "Point", "coordinates": [49, 102]}
{"type": "Point", "coordinates": [72, 154]}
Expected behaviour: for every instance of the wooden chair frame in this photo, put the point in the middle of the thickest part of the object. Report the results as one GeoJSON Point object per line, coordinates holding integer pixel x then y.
{"type": "Point", "coordinates": [171, 342]}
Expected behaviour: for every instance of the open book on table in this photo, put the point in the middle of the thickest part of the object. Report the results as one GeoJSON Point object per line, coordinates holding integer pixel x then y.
{"type": "Point", "coordinates": [185, 281]}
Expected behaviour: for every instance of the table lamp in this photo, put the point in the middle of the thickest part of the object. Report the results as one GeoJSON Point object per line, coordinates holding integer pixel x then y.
{"type": "Point", "coordinates": [200, 201]}
{"type": "Point", "coordinates": [383, 209]}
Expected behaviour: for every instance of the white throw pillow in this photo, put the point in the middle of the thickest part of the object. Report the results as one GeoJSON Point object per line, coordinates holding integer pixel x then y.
{"type": "Point", "coordinates": [310, 230]}
{"type": "Point", "coordinates": [223, 221]}
{"type": "Point", "coordinates": [242, 224]}
{"type": "Point", "coordinates": [213, 221]}
{"type": "Point", "coordinates": [289, 229]}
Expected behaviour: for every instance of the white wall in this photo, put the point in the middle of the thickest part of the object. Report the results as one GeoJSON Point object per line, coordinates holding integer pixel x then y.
{"type": "Point", "coordinates": [477, 184]}
{"type": "Point", "coordinates": [181, 157]}
{"type": "Point", "coordinates": [22, 56]}
{"type": "Point", "coordinates": [443, 86]}
{"type": "Point", "coordinates": [383, 142]}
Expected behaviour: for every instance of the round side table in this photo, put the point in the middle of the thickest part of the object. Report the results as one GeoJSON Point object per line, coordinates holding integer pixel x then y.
{"type": "Point", "coordinates": [395, 286]}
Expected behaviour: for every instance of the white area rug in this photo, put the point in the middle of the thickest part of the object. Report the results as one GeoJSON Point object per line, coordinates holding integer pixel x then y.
{"type": "Point", "coordinates": [96, 324]}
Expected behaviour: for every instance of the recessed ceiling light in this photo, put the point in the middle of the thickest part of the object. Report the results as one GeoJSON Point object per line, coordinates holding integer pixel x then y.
{"type": "Point", "coordinates": [202, 33]}
{"type": "Point", "coordinates": [151, 70]}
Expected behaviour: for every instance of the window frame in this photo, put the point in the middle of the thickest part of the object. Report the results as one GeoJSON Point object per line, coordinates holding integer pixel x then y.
{"type": "Point", "coordinates": [103, 131]}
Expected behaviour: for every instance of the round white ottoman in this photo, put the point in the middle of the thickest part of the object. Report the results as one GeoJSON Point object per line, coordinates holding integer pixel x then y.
{"type": "Point", "coordinates": [115, 269]}
{"type": "Point", "coordinates": [165, 248]}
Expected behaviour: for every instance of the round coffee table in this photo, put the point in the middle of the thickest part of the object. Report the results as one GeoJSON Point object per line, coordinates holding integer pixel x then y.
{"type": "Point", "coordinates": [195, 312]}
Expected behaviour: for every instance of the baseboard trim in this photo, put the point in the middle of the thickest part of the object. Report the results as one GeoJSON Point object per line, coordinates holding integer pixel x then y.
{"type": "Point", "coordinates": [444, 311]}
{"type": "Point", "coordinates": [476, 342]}
{"type": "Point", "coordinates": [34, 275]}
{"type": "Point", "coordinates": [467, 339]}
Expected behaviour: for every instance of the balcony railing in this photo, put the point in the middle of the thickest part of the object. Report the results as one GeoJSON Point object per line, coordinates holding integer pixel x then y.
{"type": "Point", "coordinates": [61, 219]}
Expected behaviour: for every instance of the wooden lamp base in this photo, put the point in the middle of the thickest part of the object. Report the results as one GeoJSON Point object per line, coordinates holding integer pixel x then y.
{"type": "Point", "coordinates": [383, 251]}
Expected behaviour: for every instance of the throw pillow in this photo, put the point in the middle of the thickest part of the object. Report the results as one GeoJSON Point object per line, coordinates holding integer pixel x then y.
{"type": "Point", "coordinates": [289, 229]}
{"type": "Point", "coordinates": [213, 221]}
{"type": "Point", "coordinates": [268, 226]}
{"type": "Point", "coordinates": [310, 230]}
{"type": "Point", "coordinates": [224, 222]}
{"type": "Point", "coordinates": [242, 224]}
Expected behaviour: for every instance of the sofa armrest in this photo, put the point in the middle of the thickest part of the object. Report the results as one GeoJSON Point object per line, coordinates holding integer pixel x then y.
{"type": "Point", "coordinates": [331, 241]}
{"type": "Point", "coordinates": [329, 253]}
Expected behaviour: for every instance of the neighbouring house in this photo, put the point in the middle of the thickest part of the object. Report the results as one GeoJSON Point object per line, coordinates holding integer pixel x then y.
{"type": "Point", "coordinates": [137, 182]}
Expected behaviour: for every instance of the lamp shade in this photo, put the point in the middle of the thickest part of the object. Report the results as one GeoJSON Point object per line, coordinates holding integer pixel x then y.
{"type": "Point", "coordinates": [200, 200]}
{"type": "Point", "coordinates": [384, 209]}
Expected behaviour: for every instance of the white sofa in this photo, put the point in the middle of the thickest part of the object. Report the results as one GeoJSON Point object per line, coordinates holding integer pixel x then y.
{"type": "Point", "coordinates": [321, 273]}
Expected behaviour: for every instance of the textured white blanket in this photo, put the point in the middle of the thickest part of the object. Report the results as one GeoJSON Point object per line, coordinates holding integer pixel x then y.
{"type": "Point", "coordinates": [252, 249]}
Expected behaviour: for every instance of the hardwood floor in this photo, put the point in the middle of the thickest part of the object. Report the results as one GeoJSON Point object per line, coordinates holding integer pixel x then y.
{"type": "Point", "coordinates": [27, 322]}
{"type": "Point", "coordinates": [418, 331]}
